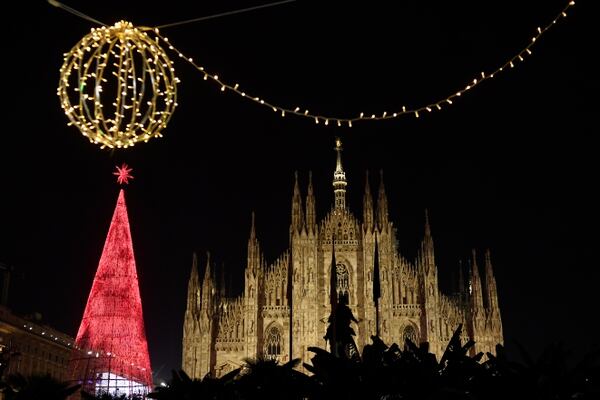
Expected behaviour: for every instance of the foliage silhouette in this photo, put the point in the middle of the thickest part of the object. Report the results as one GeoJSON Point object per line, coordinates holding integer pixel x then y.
{"type": "Point", "coordinates": [408, 372]}
{"type": "Point", "coordinates": [414, 373]}
{"type": "Point", "coordinates": [182, 387]}
{"type": "Point", "coordinates": [267, 379]}
{"type": "Point", "coordinates": [340, 334]}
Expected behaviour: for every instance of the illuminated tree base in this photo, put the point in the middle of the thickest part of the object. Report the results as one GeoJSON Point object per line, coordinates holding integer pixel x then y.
{"type": "Point", "coordinates": [104, 375]}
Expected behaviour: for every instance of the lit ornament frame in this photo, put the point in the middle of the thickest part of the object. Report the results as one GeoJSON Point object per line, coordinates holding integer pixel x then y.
{"type": "Point", "coordinates": [124, 63]}
{"type": "Point", "coordinates": [96, 51]}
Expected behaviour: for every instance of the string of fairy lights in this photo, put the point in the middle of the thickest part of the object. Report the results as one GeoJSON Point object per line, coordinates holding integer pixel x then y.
{"type": "Point", "coordinates": [143, 86]}
{"type": "Point", "coordinates": [382, 115]}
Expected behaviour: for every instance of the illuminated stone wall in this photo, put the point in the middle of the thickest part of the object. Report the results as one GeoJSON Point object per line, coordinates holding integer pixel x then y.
{"type": "Point", "coordinates": [29, 347]}
{"type": "Point", "coordinates": [293, 292]}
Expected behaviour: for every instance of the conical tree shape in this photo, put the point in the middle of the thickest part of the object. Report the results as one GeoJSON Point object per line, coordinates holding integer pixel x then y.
{"type": "Point", "coordinates": [113, 352]}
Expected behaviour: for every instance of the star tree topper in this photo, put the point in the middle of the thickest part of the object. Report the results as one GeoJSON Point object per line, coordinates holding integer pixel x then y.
{"type": "Point", "coordinates": [123, 174]}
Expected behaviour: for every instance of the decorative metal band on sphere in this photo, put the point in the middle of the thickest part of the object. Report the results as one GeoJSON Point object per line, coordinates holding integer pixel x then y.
{"type": "Point", "coordinates": [118, 86]}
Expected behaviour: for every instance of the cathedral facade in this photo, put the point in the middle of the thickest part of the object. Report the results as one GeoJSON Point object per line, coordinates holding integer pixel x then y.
{"type": "Point", "coordinates": [284, 307]}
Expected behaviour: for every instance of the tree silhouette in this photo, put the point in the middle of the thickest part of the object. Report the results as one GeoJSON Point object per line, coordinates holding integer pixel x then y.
{"type": "Point", "coordinates": [340, 334]}
{"type": "Point", "coordinates": [414, 373]}
{"type": "Point", "coordinates": [409, 372]}
{"type": "Point", "coordinates": [267, 379]}
{"type": "Point", "coordinates": [182, 387]}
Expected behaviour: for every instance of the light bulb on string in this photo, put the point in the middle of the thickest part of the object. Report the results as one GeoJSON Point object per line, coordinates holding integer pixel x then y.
{"type": "Point", "coordinates": [123, 63]}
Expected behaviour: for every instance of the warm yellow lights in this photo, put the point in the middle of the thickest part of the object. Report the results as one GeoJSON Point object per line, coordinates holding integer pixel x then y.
{"type": "Point", "coordinates": [337, 121]}
{"type": "Point", "coordinates": [117, 86]}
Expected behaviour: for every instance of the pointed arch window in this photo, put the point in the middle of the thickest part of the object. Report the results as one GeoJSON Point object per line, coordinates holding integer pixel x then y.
{"type": "Point", "coordinates": [273, 344]}
{"type": "Point", "coordinates": [410, 333]}
{"type": "Point", "coordinates": [343, 279]}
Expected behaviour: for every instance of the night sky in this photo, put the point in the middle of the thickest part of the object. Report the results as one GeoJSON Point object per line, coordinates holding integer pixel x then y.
{"type": "Point", "coordinates": [510, 166]}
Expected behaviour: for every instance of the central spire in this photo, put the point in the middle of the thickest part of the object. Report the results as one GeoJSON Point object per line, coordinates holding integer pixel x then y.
{"type": "Point", "coordinates": [339, 178]}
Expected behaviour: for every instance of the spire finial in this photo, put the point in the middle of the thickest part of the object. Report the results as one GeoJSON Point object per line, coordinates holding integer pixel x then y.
{"type": "Point", "coordinates": [297, 214]}
{"type": "Point", "coordinates": [296, 184]}
{"type": "Point", "coordinates": [252, 228]}
{"type": "Point", "coordinates": [367, 205]}
{"type": "Point", "coordinates": [207, 263]}
{"type": "Point", "coordinates": [474, 267]}
{"type": "Point", "coordinates": [381, 186]}
{"type": "Point", "coordinates": [427, 227]}
{"type": "Point", "coordinates": [338, 149]}
{"type": "Point", "coordinates": [488, 265]}
{"type": "Point", "coordinates": [311, 217]}
{"type": "Point", "coordinates": [339, 178]}
{"type": "Point", "coordinates": [194, 300]}
{"type": "Point", "coordinates": [382, 206]}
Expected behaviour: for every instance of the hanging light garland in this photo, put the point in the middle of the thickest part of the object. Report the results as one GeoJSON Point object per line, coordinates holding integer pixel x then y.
{"type": "Point", "coordinates": [145, 92]}
{"type": "Point", "coordinates": [382, 115]}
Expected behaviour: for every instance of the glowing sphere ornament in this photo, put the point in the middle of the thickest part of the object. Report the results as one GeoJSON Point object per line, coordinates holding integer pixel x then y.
{"type": "Point", "coordinates": [118, 86]}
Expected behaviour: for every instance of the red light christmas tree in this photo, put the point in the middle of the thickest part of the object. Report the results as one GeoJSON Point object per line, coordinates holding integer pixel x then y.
{"type": "Point", "coordinates": [111, 353]}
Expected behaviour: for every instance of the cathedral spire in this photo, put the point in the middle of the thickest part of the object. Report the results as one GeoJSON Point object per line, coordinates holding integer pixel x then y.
{"type": "Point", "coordinates": [222, 284]}
{"type": "Point", "coordinates": [491, 293]}
{"type": "Point", "coordinates": [253, 261]}
{"type": "Point", "coordinates": [311, 219]}
{"type": "Point", "coordinates": [208, 289]}
{"type": "Point", "coordinates": [475, 284]}
{"type": "Point", "coordinates": [252, 228]}
{"type": "Point", "coordinates": [427, 252]}
{"type": "Point", "coordinates": [368, 205]}
{"type": "Point", "coordinates": [194, 300]}
{"type": "Point", "coordinates": [382, 206]}
{"type": "Point", "coordinates": [297, 214]}
{"type": "Point", "coordinates": [339, 178]}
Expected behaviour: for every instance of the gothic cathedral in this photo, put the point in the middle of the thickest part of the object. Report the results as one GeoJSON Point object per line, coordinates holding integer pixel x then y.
{"type": "Point", "coordinates": [285, 305]}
